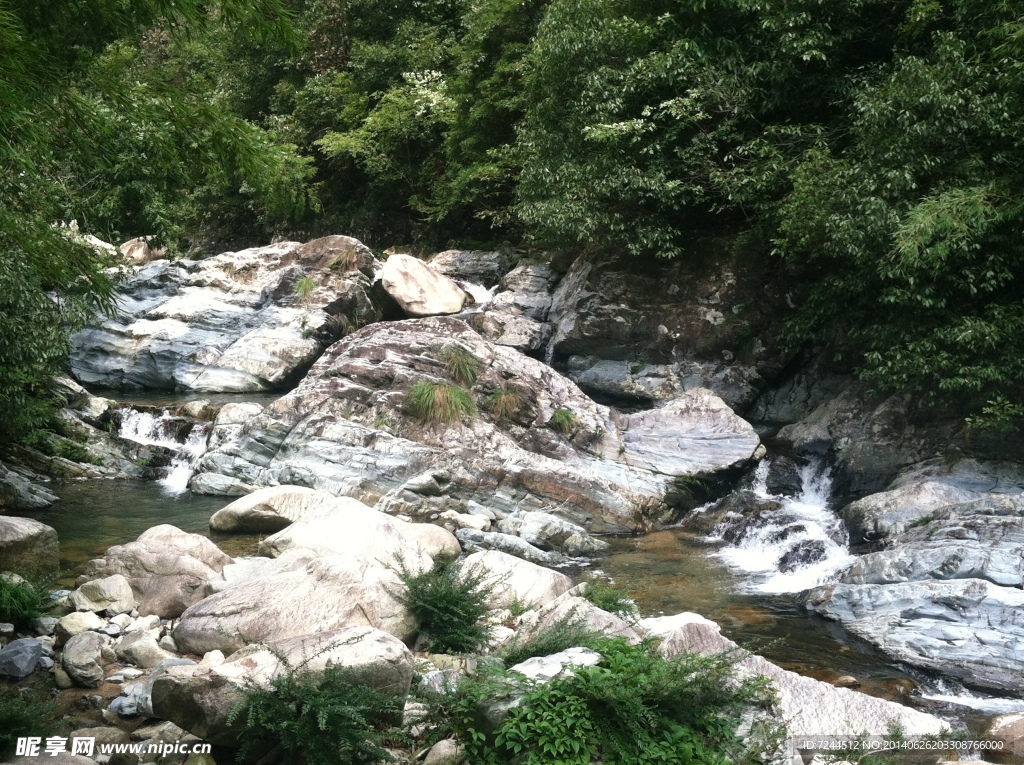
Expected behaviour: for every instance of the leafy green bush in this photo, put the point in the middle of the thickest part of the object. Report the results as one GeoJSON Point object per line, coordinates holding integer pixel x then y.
{"type": "Point", "coordinates": [450, 604]}
{"type": "Point", "coordinates": [610, 598]}
{"type": "Point", "coordinates": [461, 365]}
{"type": "Point", "coordinates": [316, 719]}
{"type": "Point", "coordinates": [22, 714]}
{"type": "Point", "coordinates": [634, 708]}
{"type": "Point", "coordinates": [505, 403]}
{"type": "Point", "coordinates": [434, 402]}
{"type": "Point", "coordinates": [24, 599]}
{"type": "Point", "coordinates": [564, 421]}
{"type": "Point", "coordinates": [567, 633]}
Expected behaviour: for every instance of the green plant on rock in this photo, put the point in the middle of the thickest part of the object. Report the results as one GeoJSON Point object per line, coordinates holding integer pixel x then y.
{"type": "Point", "coordinates": [564, 421]}
{"type": "Point", "coordinates": [633, 708]}
{"type": "Point", "coordinates": [506, 403]}
{"type": "Point", "coordinates": [305, 286]}
{"type": "Point", "coordinates": [569, 632]}
{"type": "Point", "coordinates": [460, 365]}
{"type": "Point", "coordinates": [610, 598]}
{"type": "Point", "coordinates": [24, 599]}
{"type": "Point", "coordinates": [317, 719]}
{"type": "Point", "coordinates": [436, 402]}
{"type": "Point", "coordinates": [450, 604]}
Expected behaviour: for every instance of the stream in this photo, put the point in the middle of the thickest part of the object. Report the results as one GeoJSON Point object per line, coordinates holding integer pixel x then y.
{"type": "Point", "coordinates": [736, 583]}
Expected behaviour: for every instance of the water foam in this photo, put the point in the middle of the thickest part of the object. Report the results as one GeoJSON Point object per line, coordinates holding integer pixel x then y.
{"type": "Point", "coordinates": [481, 295]}
{"type": "Point", "coordinates": [153, 430]}
{"type": "Point", "coordinates": [805, 518]}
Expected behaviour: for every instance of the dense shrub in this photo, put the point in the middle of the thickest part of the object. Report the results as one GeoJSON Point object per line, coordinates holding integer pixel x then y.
{"type": "Point", "coordinates": [566, 633]}
{"type": "Point", "coordinates": [450, 604]}
{"type": "Point", "coordinates": [434, 402]}
{"type": "Point", "coordinates": [22, 600]}
{"type": "Point", "coordinates": [316, 719]}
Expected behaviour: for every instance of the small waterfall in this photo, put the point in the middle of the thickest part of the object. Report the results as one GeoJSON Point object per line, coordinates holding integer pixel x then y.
{"type": "Point", "coordinates": [951, 692]}
{"type": "Point", "coordinates": [163, 430]}
{"type": "Point", "coordinates": [480, 294]}
{"type": "Point", "coordinates": [801, 545]}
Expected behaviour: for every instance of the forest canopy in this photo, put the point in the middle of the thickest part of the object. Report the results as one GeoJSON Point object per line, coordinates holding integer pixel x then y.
{"type": "Point", "coordinates": [871, 148]}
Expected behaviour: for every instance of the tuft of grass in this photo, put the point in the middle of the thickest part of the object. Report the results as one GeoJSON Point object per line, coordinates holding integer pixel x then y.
{"type": "Point", "coordinates": [24, 599]}
{"type": "Point", "coordinates": [461, 365]}
{"type": "Point", "coordinates": [434, 402]}
{"type": "Point", "coordinates": [563, 634]}
{"type": "Point", "coordinates": [506, 402]}
{"type": "Point", "coordinates": [305, 286]}
{"type": "Point", "coordinates": [610, 598]}
{"type": "Point", "coordinates": [564, 421]}
{"type": "Point", "coordinates": [449, 603]}
{"type": "Point", "coordinates": [316, 719]}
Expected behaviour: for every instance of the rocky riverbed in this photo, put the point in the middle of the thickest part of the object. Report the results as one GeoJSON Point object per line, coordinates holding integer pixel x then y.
{"type": "Point", "coordinates": [593, 404]}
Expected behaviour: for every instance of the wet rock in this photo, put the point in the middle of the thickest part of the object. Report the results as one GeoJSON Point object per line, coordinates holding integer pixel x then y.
{"type": "Point", "coordinates": [27, 545]}
{"type": "Point", "coordinates": [19, 492]}
{"type": "Point", "coordinates": [168, 569]}
{"type": "Point", "coordinates": [783, 477]}
{"type": "Point", "coordinates": [329, 593]}
{"type": "Point", "coordinates": [804, 553]}
{"type": "Point", "coordinates": [229, 323]}
{"type": "Point", "coordinates": [846, 681]}
{"type": "Point", "coordinates": [81, 659]}
{"type": "Point", "coordinates": [733, 517]}
{"type": "Point", "coordinates": [111, 595]}
{"type": "Point", "coordinates": [513, 579]}
{"type": "Point", "coordinates": [20, 657]}
{"type": "Point", "coordinates": [809, 707]}
{"type": "Point", "coordinates": [419, 289]}
{"type": "Point", "coordinates": [969, 629]}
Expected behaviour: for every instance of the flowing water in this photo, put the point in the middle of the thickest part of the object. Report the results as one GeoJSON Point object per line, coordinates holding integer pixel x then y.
{"type": "Point", "coordinates": [161, 430]}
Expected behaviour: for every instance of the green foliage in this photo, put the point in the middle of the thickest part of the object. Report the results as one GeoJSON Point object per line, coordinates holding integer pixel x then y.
{"type": "Point", "coordinates": [506, 403]}
{"type": "Point", "coordinates": [565, 633]}
{"type": "Point", "coordinates": [434, 402]}
{"type": "Point", "coordinates": [634, 707]}
{"type": "Point", "coordinates": [461, 365]}
{"type": "Point", "coordinates": [23, 714]}
{"type": "Point", "coordinates": [305, 286]}
{"type": "Point", "coordinates": [320, 719]}
{"type": "Point", "coordinates": [450, 604]}
{"type": "Point", "coordinates": [610, 598]}
{"type": "Point", "coordinates": [23, 601]}
{"type": "Point", "coordinates": [564, 421]}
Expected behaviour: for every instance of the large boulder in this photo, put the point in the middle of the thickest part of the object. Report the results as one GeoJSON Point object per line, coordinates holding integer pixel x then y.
{"type": "Point", "coordinates": [418, 289]}
{"type": "Point", "coordinates": [27, 546]}
{"type": "Point", "coordinates": [273, 508]}
{"type": "Point", "coordinates": [168, 569]}
{"type": "Point", "coordinates": [484, 267]}
{"type": "Point", "coordinates": [19, 658]}
{"type": "Point", "coordinates": [369, 534]}
{"type": "Point", "coordinates": [81, 659]}
{"type": "Point", "coordinates": [201, 698]}
{"type": "Point", "coordinates": [239, 321]}
{"type": "Point", "coordinates": [111, 595]}
{"type": "Point", "coordinates": [329, 593]}
{"type": "Point", "coordinates": [969, 629]}
{"type": "Point", "coordinates": [346, 430]}
{"type": "Point", "coordinates": [513, 580]}
{"type": "Point", "coordinates": [811, 708]}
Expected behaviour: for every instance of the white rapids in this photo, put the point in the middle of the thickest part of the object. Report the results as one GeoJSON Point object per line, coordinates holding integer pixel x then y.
{"type": "Point", "coordinates": [152, 430]}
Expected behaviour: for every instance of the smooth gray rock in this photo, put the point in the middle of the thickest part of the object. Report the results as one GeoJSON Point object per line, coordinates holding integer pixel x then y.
{"type": "Point", "coordinates": [76, 623]}
{"type": "Point", "coordinates": [473, 540]}
{"type": "Point", "coordinates": [111, 595]}
{"type": "Point", "coordinates": [230, 323]}
{"type": "Point", "coordinates": [27, 545]}
{"type": "Point", "coordinates": [484, 267]}
{"type": "Point", "coordinates": [510, 579]}
{"type": "Point", "coordinates": [966, 628]}
{"type": "Point", "coordinates": [81, 659]}
{"type": "Point", "coordinates": [549, 532]}
{"type": "Point", "coordinates": [20, 657]}
{"type": "Point", "coordinates": [141, 649]}
{"type": "Point", "coordinates": [19, 492]}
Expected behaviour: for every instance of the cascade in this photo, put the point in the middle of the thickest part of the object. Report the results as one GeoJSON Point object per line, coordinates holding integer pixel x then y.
{"type": "Point", "coordinates": [162, 430]}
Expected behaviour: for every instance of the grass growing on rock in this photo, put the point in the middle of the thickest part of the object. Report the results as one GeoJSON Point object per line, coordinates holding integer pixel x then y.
{"type": "Point", "coordinates": [435, 402]}
{"type": "Point", "coordinates": [634, 708]}
{"type": "Point", "coordinates": [505, 403]}
{"type": "Point", "coordinates": [564, 421]}
{"type": "Point", "coordinates": [565, 633]}
{"type": "Point", "coordinates": [22, 600]}
{"type": "Point", "coordinates": [305, 286]}
{"type": "Point", "coordinates": [316, 719]}
{"type": "Point", "coordinates": [450, 604]}
{"type": "Point", "coordinates": [610, 598]}
{"type": "Point", "coordinates": [461, 365]}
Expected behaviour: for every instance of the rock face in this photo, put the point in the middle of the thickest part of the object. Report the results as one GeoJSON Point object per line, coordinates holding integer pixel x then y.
{"type": "Point", "coordinates": [512, 579]}
{"type": "Point", "coordinates": [240, 321]}
{"type": "Point", "coordinates": [168, 569]}
{"type": "Point", "coordinates": [18, 492]}
{"type": "Point", "coordinates": [967, 628]}
{"type": "Point", "coordinates": [27, 545]}
{"type": "Point", "coordinates": [345, 429]}
{"type": "Point", "coordinates": [809, 707]}
{"type": "Point", "coordinates": [329, 593]}
{"type": "Point", "coordinates": [710, 317]}
{"type": "Point", "coordinates": [200, 698]}
{"type": "Point", "coordinates": [418, 289]}
{"type": "Point", "coordinates": [944, 593]}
